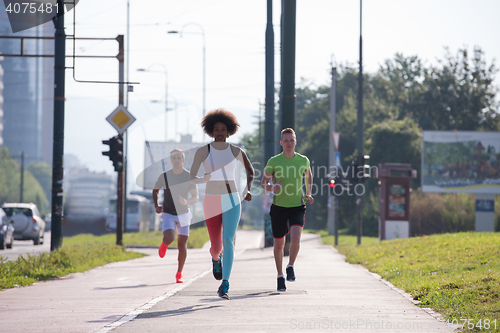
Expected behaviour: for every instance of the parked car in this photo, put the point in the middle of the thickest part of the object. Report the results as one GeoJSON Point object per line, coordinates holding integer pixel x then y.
{"type": "Point", "coordinates": [28, 223]}
{"type": "Point", "coordinates": [6, 231]}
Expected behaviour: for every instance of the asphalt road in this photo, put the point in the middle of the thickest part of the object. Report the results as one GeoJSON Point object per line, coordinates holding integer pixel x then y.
{"type": "Point", "coordinates": [23, 247]}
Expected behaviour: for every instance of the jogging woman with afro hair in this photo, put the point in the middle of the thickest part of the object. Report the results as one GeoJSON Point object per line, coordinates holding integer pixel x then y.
{"type": "Point", "coordinates": [221, 203]}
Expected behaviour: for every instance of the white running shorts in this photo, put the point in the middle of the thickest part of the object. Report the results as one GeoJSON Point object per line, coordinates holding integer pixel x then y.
{"type": "Point", "coordinates": [178, 222]}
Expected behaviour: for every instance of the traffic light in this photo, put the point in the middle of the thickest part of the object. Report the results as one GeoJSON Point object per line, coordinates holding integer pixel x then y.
{"type": "Point", "coordinates": [115, 152]}
{"type": "Point", "coordinates": [363, 168]}
{"type": "Point", "coordinates": [118, 161]}
{"type": "Point", "coordinates": [336, 187]}
{"type": "Point", "coordinates": [332, 186]}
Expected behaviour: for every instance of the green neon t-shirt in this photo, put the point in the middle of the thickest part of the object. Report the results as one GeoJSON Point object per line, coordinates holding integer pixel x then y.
{"type": "Point", "coordinates": [291, 171]}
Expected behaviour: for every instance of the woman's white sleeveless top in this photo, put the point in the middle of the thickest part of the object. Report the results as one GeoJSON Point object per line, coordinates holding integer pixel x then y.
{"type": "Point", "coordinates": [221, 164]}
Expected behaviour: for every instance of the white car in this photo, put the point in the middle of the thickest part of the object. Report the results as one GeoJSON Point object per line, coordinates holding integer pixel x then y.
{"type": "Point", "coordinates": [28, 223]}
{"type": "Point", "coordinates": [6, 231]}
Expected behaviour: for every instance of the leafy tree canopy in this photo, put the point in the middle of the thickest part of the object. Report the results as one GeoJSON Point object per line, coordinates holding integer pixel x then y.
{"type": "Point", "coordinates": [43, 174]}
{"type": "Point", "coordinates": [10, 180]}
{"type": "Point", "coordinates": [401, 99]}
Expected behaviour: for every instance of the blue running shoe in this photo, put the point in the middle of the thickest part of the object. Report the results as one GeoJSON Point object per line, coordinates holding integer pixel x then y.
{"type": "Point", "coordinates": [217, 268]}
{"type": "Point", "coordinates": [223, 288]}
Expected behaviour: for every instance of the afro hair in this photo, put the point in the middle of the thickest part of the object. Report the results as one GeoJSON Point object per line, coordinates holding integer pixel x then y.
{"type": "Point", "coordinates": [219, 116]}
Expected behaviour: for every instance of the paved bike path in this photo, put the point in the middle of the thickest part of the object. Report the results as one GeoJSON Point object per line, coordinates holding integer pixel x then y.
{"type": "Point", "coordinates": [89, 301]}
{"type": "Point", "coordinates": [329, 295]}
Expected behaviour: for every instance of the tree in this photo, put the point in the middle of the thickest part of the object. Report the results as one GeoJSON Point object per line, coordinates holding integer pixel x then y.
{"type": "Point", "coordinates": [399, 83]}
{"type": "Point", "coordinates": [10, 180]}
{"type": "Point", "coordinates": [43, 174]}
{"type": "Point", "coordinates": [400, 100]}
{"type": "Point", "coordinates": [312, 132]}
{"type": "Point", "coordinates": [459, 94]}
{"type": "Point", "coordinates": [396, 141]}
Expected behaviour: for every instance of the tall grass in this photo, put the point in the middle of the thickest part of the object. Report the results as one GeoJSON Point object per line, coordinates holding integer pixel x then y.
{"type": "Point", "coordinates": [430, 213]}
{"type": "Point", "coordinates": [433, 213]}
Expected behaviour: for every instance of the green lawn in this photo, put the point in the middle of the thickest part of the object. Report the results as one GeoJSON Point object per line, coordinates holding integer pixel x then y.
{"type": "Point", "coordinates": [197, 237]}
{"type": "Point", "coordinates": [457, 275]}
{"type": "Point", "coordinates": [81, 253]}
{"type": "Point", "coordinates": [29, 269]}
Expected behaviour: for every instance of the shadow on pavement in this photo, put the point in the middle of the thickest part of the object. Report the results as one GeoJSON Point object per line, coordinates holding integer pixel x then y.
{"type": "Point", "coordinates": [137, 286]}
{"type": "Point", "coordinates": [173, 313]}
{"type": "Point", "coordinates": [106, 319]}
{"type": "Point", "coordinates": [239, 295]}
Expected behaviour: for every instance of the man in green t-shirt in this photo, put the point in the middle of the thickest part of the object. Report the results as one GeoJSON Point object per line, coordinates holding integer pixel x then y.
{"type": "Point", "coordinates": [288, 209]}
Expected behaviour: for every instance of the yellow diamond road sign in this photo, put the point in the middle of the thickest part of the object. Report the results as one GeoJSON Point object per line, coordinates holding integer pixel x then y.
{"type": "Point", "coordinates": [120, 119]}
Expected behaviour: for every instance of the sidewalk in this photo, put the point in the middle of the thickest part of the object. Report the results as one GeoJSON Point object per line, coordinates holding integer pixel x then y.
{"type": "Point", "coordinates": [141, 296]}
{"type": "Point", "coordinates": [87, 302]}
{"type": "Point", "coordinates": [328, 295]}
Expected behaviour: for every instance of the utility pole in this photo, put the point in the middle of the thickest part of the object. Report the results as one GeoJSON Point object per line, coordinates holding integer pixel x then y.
{"type": "Point", "coordinates": [288, 97]}
{"type": "Point", "coordinates": [360, 125]}
{"type": "Point", "coordinates": [120, 195]}
{"type": "Point", "coordinates": [125, 134]}
{"type": "Point", "coordinates": [58, 146]}
{"type": "Point", "coordinates": [269, 124]}
{"type": "Point", "coordinates": [21, 189]}
{"type": "Point", "coordinates": [332, 200]}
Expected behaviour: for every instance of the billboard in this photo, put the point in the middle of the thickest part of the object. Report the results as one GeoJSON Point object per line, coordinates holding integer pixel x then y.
{"type": "Point", "coordinates": [397, 201]}
{"type": "Point", "coordinates": [461, 161]}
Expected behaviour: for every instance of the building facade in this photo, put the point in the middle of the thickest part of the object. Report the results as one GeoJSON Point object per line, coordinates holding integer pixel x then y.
{"type": "Point", "coordinates": [28, 93]}
{"type": "Point", "coordinates": [1, 102]}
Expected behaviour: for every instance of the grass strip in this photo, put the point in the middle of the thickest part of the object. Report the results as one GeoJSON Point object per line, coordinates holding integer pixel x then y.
{"type": "Point", "coordinates": [457, 275]}
{"type": "Point", "coordinates": [197, 237]}
{"type": "Point", "coordinates": [81, 253]}
{"type": "Point", "coordinates": [344, 239]}
{"type": "Point", "coordinates": [29, 269]}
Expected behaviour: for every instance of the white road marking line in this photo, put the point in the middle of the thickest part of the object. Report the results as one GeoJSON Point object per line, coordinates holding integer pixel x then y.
{"type": "Point", "coordinates": [133, 314]}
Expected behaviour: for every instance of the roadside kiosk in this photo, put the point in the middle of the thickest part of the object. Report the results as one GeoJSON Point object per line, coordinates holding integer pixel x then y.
{"type": "Point", "coordinates": [394, 200]}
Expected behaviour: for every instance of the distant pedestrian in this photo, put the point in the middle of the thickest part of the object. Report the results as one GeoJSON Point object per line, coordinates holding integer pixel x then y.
{"type": "Point", "coordinates": [221, 203]}
{"type": "Point", "coordinates": [175, 212]}
{"type": "Point", "coordinates": [288, 209]}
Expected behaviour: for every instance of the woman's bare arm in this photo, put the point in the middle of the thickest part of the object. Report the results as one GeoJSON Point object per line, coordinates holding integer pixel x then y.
{"type": "Point", "coordinates": [200, 155]}
{"type": "Point", "coordinates": [243, 158]}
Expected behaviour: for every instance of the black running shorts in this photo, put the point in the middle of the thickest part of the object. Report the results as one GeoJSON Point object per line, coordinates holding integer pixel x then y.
{"type": "Point", "coordinates": [283, 217]}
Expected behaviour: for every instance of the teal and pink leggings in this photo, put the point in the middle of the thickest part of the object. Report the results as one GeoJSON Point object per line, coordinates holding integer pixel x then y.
{"type": "Point", "coordinates": [222, 214]}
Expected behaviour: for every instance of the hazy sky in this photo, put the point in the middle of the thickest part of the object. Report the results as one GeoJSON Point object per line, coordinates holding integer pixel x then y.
{"type": "Point", "coordinates": [235, 67]}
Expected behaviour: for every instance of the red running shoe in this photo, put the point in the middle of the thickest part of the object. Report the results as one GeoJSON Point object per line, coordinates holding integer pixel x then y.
{"type": "Point", "coordinates": [178, 278]}
{"type": "Point", "coordinates": [162, 250]}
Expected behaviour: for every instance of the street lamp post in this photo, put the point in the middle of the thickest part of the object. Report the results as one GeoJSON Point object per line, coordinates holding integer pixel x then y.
{"type": "Point", "coordinates": [166, 90]}
{"type": "Point", "coordinates": [360, 120]}
{"type": "Point", "coordinates": [180, 32]}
